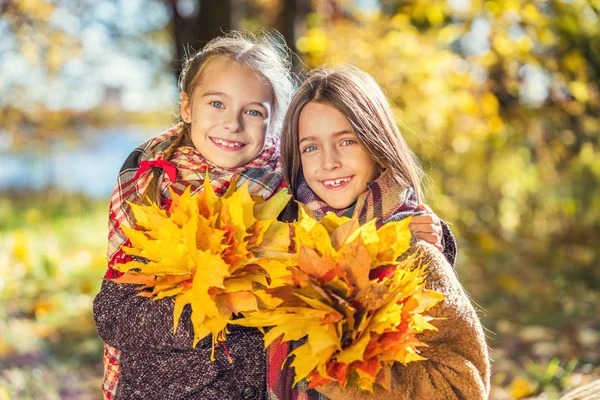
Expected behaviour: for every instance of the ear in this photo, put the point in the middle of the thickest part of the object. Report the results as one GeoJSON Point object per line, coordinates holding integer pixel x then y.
{"type": "Point", "coordinates": [186, 108]}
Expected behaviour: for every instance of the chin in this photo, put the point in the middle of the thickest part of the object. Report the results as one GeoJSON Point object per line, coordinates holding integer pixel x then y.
{"type": "Point", "coordinates": [339, 204]}
{"type": "Point", "coordinates": [231, 163]}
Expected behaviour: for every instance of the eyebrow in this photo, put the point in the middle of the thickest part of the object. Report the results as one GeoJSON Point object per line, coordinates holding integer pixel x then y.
{"type": "Point", "coordinates": [340, 133]}
{"type": "Point", "coordinates": [213, 93]}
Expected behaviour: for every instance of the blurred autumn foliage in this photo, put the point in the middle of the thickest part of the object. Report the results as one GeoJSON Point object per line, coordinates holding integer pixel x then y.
{"type": "Point", "coordinates": [500, 99]}
{"type": "Point", "coordinates": [47, 102]}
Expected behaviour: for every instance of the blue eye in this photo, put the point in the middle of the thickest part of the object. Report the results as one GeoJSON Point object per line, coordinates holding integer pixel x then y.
{"type": "Point", "coordinates": [216, 104]}
{"type": "Point", "coordinates": [309, 149]}
{"type": "Point", "coordinates": [348, 142]}
{"type": "Point", "coordinates": [254, 113]}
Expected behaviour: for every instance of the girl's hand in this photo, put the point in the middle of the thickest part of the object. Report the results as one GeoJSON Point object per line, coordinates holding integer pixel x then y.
{"type": "Point", "coordinates": [427, 227]}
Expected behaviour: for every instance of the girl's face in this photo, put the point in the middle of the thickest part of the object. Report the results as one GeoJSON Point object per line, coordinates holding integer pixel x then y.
{"type": "Point", "coordinates": [336, 165]}
{"type": "Point", "coordinates": [229, 112]}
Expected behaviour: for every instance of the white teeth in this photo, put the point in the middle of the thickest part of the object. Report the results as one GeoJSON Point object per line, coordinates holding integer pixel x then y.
{"type": "Point", "coordinates": [222, 143]}
{"type": "Point", "coordinates": [336, 182]}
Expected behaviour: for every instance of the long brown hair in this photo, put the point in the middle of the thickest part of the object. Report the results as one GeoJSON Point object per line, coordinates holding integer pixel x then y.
{"type": "Point", "coordinates": [355, 94]}
{"type": "Point", "coordinates": [265, 54]}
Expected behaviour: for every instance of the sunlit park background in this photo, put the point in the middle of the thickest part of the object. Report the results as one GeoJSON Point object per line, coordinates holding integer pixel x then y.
{"type": "Point", "coordinates": [500, 99]}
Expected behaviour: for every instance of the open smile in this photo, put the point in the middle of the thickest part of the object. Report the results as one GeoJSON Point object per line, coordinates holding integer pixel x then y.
{"type": "Point", "coordinates": [337, 183]}
{"type": "Point", "coordinates": [228, 145]}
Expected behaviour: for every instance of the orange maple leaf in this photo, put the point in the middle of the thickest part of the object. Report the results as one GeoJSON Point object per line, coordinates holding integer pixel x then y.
{"type": "Point", "coordinates": [355, 306]}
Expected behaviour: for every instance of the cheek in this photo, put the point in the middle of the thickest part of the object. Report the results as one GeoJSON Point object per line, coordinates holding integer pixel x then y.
{"type": "Point", "coordinates": [373, 172]}
{"type": "Point", "coordinates": [365, 163]}
{"type": "Point", "coordinates": [306, 164]}
{"type": "Point", "coordinates": [258, 131]}
{"type": "Point", "coordinates": [206, 115]}
{"type": "Point", "coordinates": [309, 170]}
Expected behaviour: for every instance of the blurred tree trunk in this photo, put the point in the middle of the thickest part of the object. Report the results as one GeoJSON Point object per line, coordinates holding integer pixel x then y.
{"type": "Point", "coordinates": [291, 22]}
{"type": "Point", "coordinates": [210, 18]}
{"type": "Point", "coordinates": [191, 31]}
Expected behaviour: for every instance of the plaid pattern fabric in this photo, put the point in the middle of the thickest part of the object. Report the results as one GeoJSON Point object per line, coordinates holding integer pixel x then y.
{"type": "Point", "coordinates": [280, 376]}
{"type": "Point", "coordinates": [111, 372]}
{"type": "Point", "coordinates": [383, 199]}
{"type": "Point", "coordinates": [263, 174]}
{"type": "Point", "coordinates": [278, 379]}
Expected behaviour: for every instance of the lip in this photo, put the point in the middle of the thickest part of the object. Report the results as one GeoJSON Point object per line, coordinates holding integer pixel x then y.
{"type": "Point", "coordinates": [337, 188]}
{"type": "Point", "coordinates": [227, 148]}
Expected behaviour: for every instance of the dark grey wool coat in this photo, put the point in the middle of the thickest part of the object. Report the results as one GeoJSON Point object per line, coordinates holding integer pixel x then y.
{"type": "Point", "coordinates": [156, 364]}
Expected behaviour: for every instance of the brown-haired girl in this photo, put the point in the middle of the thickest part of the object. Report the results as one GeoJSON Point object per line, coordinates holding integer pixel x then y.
{"type": "Point", "coordinates": [342, 152]}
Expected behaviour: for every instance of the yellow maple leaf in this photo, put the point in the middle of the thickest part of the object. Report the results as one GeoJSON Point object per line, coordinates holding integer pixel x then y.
{"type": "Point", "coordinates": [354, 352]}
{"type": "Point", "coordinates": [203, 251]}
{"type": "Point", "coordinates": [311, 234]}
{"type": "Point", "coordinates": [394, 240]}
{"type": "Point", "coordinates": [345, 293]}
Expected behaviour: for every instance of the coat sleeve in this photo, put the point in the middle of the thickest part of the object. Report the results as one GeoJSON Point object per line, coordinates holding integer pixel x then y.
{"type": "Point", "coordinates": [457, 365]}
{"type": "Point", "coordinates": [449, 244]}
{"type": "Point", "coordinates": [132, 323]}
{"type": "Point", "coordinates": [126, 321]}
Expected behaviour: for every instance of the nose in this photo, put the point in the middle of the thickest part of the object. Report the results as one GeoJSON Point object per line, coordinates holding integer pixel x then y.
{"type": "Point", "coordinates": [233, 122]}
{"type": "Point", "coordinates": [331, 159]}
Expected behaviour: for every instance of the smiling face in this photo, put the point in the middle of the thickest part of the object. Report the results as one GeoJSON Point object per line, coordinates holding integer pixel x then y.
{"type": "Point", "coordinates": [229, 111]}
{"type": "Point", "coordinates": [336, 165]}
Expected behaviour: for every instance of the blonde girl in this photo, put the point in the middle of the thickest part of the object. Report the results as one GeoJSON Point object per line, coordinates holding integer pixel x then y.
{"type": "Point", "coordinates": [234, 94]}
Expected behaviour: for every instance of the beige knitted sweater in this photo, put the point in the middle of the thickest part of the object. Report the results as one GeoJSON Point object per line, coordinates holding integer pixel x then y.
{"type": "Point", "coordinates": [457, 365]}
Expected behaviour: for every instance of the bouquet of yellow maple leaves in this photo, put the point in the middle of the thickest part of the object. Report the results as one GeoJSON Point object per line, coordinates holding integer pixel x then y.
{"type": "Point", "coordinates": [205, 250]}
{"type": "Point", "coordinates": [351, 301]}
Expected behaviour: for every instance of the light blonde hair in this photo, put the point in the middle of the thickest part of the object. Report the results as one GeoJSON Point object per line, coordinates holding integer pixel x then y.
{"type": "Point", "coordinates": [265, 54]}
{"type": "Point", "coordinates": [357, 95]}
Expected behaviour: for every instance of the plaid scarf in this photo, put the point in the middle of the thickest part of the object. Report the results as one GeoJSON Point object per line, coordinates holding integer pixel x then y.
{"type": "Point", "coordinates": [280, 375]}
{"type": "Point", "coordinates": [384, 200]}
{"type": "Point", "coordinates": [186, 168]}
